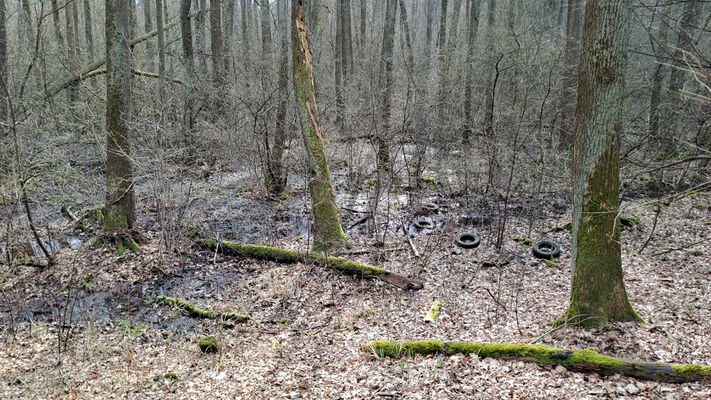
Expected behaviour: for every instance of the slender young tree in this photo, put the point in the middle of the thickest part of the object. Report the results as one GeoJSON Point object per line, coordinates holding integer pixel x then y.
{"type": "Point", "coordinates": [88, 35]}
{"type": "Point", "coordinates": [161, 37]}
{"type": "Point", "coordinates": [472, 29]}
{"type": "Point", "coordinates": [72, 60]}
{"type": "Point", "coordinates": [3, 68]}
{"type": "Point", "coordinates": [570, 72]}
{"type": "Point", "coordinates": [217, 44]}
{"type": "Point", "coordinates": [598, 290]}
{"type": "Point", "coordinates": [660, 71]}
{"type": "Point", "coordinates": [338, 68]}
{"type": "Point", "coordinates": [385, 83]}
{"type": "Point", "coordinates": [120, 211]}
{"type": "Point", "coordinates": [147, 27]}
{"type": "Point", "coordinates": [347, 47]}
{"type": "Point", "coordinates": [327, 229]}
{"type": "Point", "coordinates": [187, 44]}
{"type": "Point", "coordinates": [57, 24]}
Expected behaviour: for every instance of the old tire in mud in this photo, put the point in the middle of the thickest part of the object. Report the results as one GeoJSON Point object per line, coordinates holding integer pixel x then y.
{"type": "Point", "coordinates": [423, 224]}
{"type": "Point", "coordinates": [431, 207]}
{"type": "Point", "coordinates": [467, 240]}
{"type": "Point", "coordinates": [546, 249]}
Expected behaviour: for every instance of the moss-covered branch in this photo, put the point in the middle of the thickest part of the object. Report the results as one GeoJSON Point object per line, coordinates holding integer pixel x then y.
{"type": "Point", "coordinates": [197, 312]}
{"type": "Point", "coordinates": [292, 256]}
{"type": "Point", "coordinates": [587, 360]}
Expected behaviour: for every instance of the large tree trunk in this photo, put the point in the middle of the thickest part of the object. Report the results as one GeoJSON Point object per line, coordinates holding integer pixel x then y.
{"type": "Point", "coordinates": [570, 73]}
{"type": "Point", "coordinates": [598, 290]}
{"type": "Point", "coordinates": [688, 24]}
{"type": "Point", "coordinates": [472, 30]}
{"type": "Point", "coordinates": [217, 45]}
{"type": "Point", "coordinates": [327, 229]}
{"type": "Point", "coordinates": [187, 44]}
{"type": "Point", "coordinates": [385, 85]}
{"type": "Point", "coordinates": [120, 203]}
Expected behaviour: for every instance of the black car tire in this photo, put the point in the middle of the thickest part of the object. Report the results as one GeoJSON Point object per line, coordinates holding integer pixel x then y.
{"type": "Point", "coordinates": [467, 240]}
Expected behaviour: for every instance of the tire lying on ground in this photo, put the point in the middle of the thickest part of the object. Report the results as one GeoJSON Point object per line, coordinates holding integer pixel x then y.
{"type": "Point", "coordinates": [467, 240]}
{"type": "Point", "coordinates": [433, 207]}
{"type": "Point", "coordinates": [546, 249]}
{"type": "Point", "coordinates": [423, 224]}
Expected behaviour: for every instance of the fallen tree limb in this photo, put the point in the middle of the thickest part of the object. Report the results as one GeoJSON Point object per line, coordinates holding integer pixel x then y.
{"type": "Point", "coordinates": [292, 256]}
{"type": "Point", "coordinates": [197, 312]}
{"type": "Point", "coordinates": [101, 71]}
{"type": "Point", "coordinates": [587, 360]}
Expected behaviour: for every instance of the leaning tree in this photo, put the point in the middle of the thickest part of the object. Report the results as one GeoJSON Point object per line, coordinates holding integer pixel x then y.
{"type": "Point", "coordinates": [598, 290]}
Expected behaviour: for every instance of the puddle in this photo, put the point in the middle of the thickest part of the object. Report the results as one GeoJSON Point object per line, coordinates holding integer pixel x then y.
{"type": "Point", "coordinates": [33, 249]}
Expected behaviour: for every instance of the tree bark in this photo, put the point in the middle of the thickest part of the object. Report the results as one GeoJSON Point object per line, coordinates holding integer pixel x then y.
{"type": "Point", "coordinates": [88, 35]}
{"type": "Point", "coordinates": [187, 44]}
{"type": "Point", "coordinates": [472, 29]}
{"type": "Point", "coordinates": [3, 69]}
{"type": "Point", "coordinates": [660, 72]}
{"type": "Point", "coordinates": [292, 256]}
{"type": "Point", "coordinates": [598, 290]}
{"type": "Point", "coordinates": [200, 35]}
{"type": "Point", "coordinates": [587, 360]}
{"type": "Point", "coordinates": [490, 91]}
{"type": "Point", "coordinates": [57, 24]}
{"type": "Point", "coordinates": [385, 83]}
{"type": "Point", "coordinates": [347, 38]}
{"type": "Point", "coordinates": [120, 202]}
{"type": "Point", "coordinates": [363, 25]}
{"type": "Point", "coordinates": [429, 18]}
{"type": "Point", "coordinates": [570, 73]}
{"type": "Point", "coordinates": [217, 45]}
{"type": "Point", "coordinates": [327, 229]}
{"type": "Point", "coordinates": [71, 45]}
{"type": "Point", "coordinates": [245, 30]}
{"type": "Point", "coordinates": [338, 68]}
{"type": "Point", "coordinates": [161, 37]}
{"type": "Point", "coordinates": [443, 105]}
{"type": "Point", "coordinates": [685, 43]}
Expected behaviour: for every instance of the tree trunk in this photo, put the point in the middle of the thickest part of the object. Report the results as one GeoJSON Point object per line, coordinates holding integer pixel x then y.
{"type": "Point", "coordinates": [586, 360]}
{"type": "Point", "coordinates": [245, 30]}
{"type": "Point", "coordinates": [490, 91]}
{"type": "Point", "coordinates": [57, 24]}
{"type": "Point", "coordinates": [385, 84]}
{"type": "Point", "coordinates": [338, 68]}
{"type": "Point", "coordinates": [120, 203]}
{"type": "Point", "coordinates": [570, 73]}
{"type": "Point", "coordinates": [410, 61]}
{"type": "Point", "coordinates": [88, 35]}
{"type": "Point", "coordinates": [71, 46]}
{"type": "Point", "coordinates": [598, 290]}
{"type": "Point", "coordinates": [161, 37]}
{"type": "Point", "coordinates": [25, 24]}
{"type": "Point", "coordinates": [314, 24]}
{"type": "Point", "coordinates": [660, 71]}
{"type": "Point", "coordinates": [429, 17]}
{"type": "Point", "coordinates": [147, 27]}
{"type": "Point", "coordinates": [363, 25]}
{"type": "Point", "coordinates": [200, 35]}
{"type": "Point", "coordinates": [291, 256]}
{"type": "Point", "coordinates": [327, 229]}
{"type": "Point", "coordinates": [443, 105]}
{"type": "Point", "coordinates": [347, 38]}
{"type": "Point", "coordinates": [217, 45]}
{"type": "Point", "coordinates": [689, 22]}
{"type": "Point", "coordinates": [187, 43]}
{"type": "Point", "coordinates": [3, 69]}
{"type": "Point", "coordinates": [276, 173]}
{"type": "Point", "coordinates": [266, 62]}
{"type": "Point", "coordinates": [472, 30]}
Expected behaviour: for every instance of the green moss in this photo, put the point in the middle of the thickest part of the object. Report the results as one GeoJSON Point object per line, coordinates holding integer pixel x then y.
{"type": "Point", "coordinates": [551, 263]}
{"type": "Point", "coordinates": [17, 382]}
{"type": "Point", "coordinates": [434, 311]}
{"type": "Point", "coordinates": [284, 320]}
{"type": "Point", "coordinates": [228, 315]}
{"type": "Point", "coordinates": [566, 227]}
{"type": "Point", "coordinates": [284, 197]}
{"type": "Point", "coordinates": [193, 310]}
{"type": "Point", "coordinates": [589, 355]}
{"type": "Point", "coordinates": [208, 344]}
{"type": "Point", "coordinates": [86, 282]}
{"type": "Point", "coordinates": [524, 241]}
{"type": "Point", "coordinates": [687, 371]}
{"type": "Point", "coordinates": [386, 348]}
{"type": "Point", "coordinates": [630, 222]}
{"type": "Point", "coordinates": [119, 248]}
{"type": "Point", "coordinates": [172, 376]}
{"type": "Point", "coordinates": [187, 254]}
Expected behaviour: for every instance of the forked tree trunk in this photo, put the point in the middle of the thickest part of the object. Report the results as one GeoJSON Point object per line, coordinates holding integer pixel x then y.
{"type": "Point", "coordinates": [120, 203]}
{"type": "Point", "coordinates": [570, 73]}
{"type": "Point", "coordinates": [327, 229]}
{"type": "Point", "coordinates": [598, 290]}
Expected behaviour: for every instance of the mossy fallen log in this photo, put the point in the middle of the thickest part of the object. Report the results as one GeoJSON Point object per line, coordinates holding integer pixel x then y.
{"type": "Point", "coordinates": [587, 360]}
{"type": "Point", "coordinates": [292, 256]}
{"type": "Point", "coordinates": [197, 312]}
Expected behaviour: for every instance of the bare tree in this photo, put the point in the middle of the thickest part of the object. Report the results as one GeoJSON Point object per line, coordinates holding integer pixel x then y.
{"type": "Point", "coordinates": [3, 67]}
{"type": "Point", "coordinates": [217, 45]}
{"type": "Point", "coordinates": [385, 86]}
{"type": "Point", "coordinates": [161, 37]}
{"type": "Point", "coordinates": [88, 35]}
{"type": "Point", "coordinates": [472, 29]}
{"type": "Point", "coordinates": [187, 44]}
{"type": "Point", "coordinates": [570, 72]}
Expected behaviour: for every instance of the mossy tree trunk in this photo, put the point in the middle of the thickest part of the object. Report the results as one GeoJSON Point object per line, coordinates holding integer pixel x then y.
{"type": "Point", "coordinates": [570, 76]}
{"type": "Point", "coordinates": [327, 228]}
{"type": "Point", "coordinates": [598, 290]}
{"type": "Point", "coordinates": [120, 202]}
{"type": "Point", "coordinates": [586, 360]}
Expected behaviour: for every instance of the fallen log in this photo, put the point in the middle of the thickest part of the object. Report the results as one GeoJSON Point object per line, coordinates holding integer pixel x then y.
{"type": "Point", "coordinates": [587, 360]}
{"type": "Point", "coordinates": [197, 312]}
{"type": "Point", "coordinates": [292, 256]}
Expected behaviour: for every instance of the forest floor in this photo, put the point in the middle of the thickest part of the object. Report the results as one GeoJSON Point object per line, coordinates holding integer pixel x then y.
{"type": "Point", "coordinates": [90, 327]}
